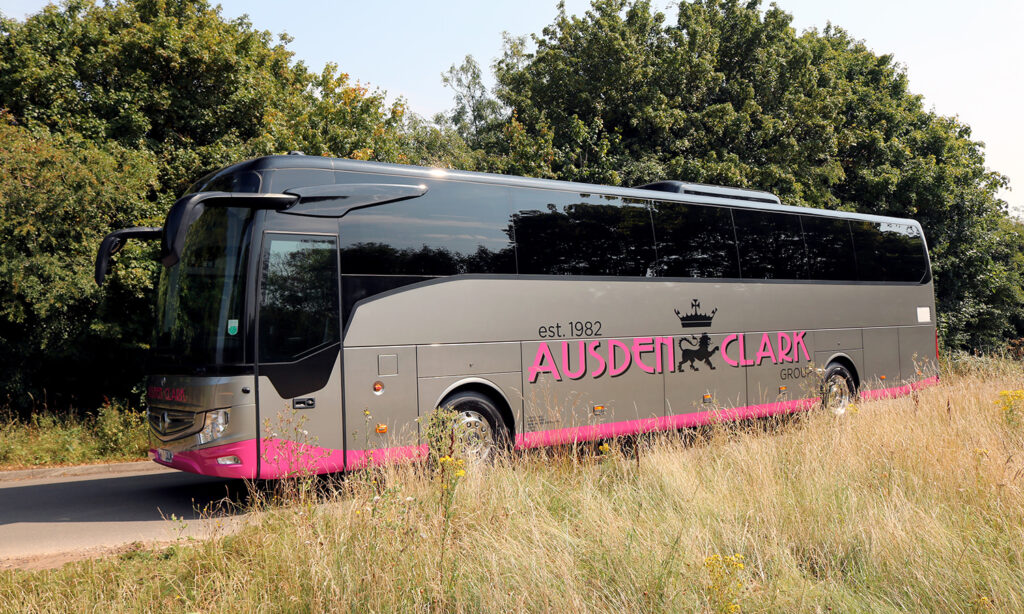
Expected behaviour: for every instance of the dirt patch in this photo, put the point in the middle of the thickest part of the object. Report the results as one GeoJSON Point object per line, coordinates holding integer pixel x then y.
{"type": "Point", "coordinates": [56, 560]}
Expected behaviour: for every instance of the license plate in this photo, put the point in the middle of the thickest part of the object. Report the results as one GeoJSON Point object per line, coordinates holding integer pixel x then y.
{"type": "Point", "coordinates": [165, 456]}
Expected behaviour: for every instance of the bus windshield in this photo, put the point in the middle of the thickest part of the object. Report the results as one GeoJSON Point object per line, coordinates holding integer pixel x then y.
{"type": "Point", "coordinates": [201, 299]}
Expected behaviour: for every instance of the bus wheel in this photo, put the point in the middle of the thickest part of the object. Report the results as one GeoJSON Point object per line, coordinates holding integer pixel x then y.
{"type": "Point", "coordinates": [485, 431]}
{"type": "Point", "coordinates": [837, 389]}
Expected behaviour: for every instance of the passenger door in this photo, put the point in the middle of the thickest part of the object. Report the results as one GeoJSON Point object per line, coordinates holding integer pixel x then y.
{"type": "Point", "coordinates": [298, 346]}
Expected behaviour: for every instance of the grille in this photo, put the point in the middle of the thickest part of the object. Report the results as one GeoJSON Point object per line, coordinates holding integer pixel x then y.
{"type": "Point", "coordinates": [169, 422]}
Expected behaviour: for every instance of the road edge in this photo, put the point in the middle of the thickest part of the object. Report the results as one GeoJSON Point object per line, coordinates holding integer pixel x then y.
{"type": "Point", "coordinates": [132, 467]}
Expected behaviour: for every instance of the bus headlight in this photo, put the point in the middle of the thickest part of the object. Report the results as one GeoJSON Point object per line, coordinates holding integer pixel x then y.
{"type": "Point", "coordinates": [215, 425]}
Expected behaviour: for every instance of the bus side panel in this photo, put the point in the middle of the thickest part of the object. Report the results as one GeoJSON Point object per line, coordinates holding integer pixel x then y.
{"type": "Point", "coordinates": [384, 419]}
{"type": "Point", "coordinates": [467, 359]}
{"type": "Point", "coordinates": [702, 370]}
{"type": "Point", "coordinates": [881, 358]}
{"type": "Point", "coordinates": [780, 367]}
{"type": "Point", "coordinates": [567, 392]}
{"type": "Point", "coordinates": [917, 353]}
{"type": "Point", "coordinates": [509, 384]}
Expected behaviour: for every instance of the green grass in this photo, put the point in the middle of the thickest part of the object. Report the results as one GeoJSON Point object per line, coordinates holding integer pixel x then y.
{"type": "Point", "coordinates": [46, 439]}
{"type": "Point", "coordinates": [912, 504]}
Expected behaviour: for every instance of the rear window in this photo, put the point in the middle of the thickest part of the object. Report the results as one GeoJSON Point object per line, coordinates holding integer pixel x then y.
{"type": "Point", "coordinates": [888, 251]}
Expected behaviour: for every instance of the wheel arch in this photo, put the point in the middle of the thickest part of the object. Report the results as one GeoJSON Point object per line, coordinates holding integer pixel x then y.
{"type": "Point", "coordinates": [488, 389]}
{"type": "Point", "coordinates": [847, 363]}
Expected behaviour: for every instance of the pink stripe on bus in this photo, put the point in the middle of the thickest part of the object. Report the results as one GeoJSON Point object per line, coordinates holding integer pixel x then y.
{"type": "Point", "coordinates": [646, 425]}
{"type": "Point", "coordinates": [896, 391]}
{"type": "Point", "coordinates": [282, 458]}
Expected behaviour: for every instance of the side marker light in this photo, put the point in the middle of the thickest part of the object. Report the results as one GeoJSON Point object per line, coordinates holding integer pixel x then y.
{"type": "Point", "coordinates": [382, 428]}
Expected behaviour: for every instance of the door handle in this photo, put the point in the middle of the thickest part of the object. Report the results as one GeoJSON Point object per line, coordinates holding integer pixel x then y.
{"type": "Point", "coordinates": [304, 403]}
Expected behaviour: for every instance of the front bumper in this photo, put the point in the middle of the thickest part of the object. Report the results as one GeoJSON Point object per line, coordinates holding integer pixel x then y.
{"type": "Point", "coordinates": [204, 461]}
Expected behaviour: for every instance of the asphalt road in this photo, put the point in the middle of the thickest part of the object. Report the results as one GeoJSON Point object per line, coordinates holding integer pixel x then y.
{"type": "Point", "coordinates": [60, 515]}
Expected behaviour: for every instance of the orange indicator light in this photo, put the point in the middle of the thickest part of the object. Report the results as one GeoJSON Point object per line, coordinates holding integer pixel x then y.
{"type": "Point", "coordinates": [782, 389]}
{"type": "Point", "coordinates": [382, 428]}
{"type": "Point", "coordinates": [881, 377]}
{"type": "Point", "coordinates": [707, 398]}
{"type": "Point", "coordinates": [598, 410]}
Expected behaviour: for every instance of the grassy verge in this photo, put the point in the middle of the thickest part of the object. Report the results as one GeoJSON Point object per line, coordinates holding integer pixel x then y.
{"type": "Point", "coordinates": [46, 439]}
{"type": "Point", "coordinates": [911, 504]}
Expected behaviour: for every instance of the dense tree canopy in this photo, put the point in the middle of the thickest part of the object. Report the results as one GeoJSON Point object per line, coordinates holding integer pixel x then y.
{"type": "Point", "coordinates": [731, 94]}
{"type": "Point", "coordinates": [175, 78]}
{"type": "Point", "coordinates": [110, 112]}
{"type": "Point", "coordinates": [58, 333]}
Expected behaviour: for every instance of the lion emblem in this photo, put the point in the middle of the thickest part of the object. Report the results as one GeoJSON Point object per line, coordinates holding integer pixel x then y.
{"type": "Point", "coordinates": [701, 353]}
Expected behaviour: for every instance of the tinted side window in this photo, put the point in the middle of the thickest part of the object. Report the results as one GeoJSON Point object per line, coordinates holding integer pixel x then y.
{"type": "Point", "coordinates": [889, 252]}
{"type": "Point", "coordinates": [830, 254]}
{"type": "Point", "coordinates": [694, 241]}
{"type": "Point", "coordinates": [299, 297]}
{"type": "Point", "coordinates": [568, 233]}
{"type": "Point", "coordinates": [771, 245]}
{"type": "Point", "coordinates": [454, 228]}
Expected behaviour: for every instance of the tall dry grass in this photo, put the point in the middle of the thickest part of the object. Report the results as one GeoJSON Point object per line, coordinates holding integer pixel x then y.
{"type": "Point", "coordinates": [911, 504]}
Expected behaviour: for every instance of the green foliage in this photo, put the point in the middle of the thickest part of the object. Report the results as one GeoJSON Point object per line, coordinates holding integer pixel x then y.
{"type": "Point", "coordinates": [121, 432]}
{"type": "Point", "coordinates": [44, 438]}
{"type": "Point", "coordinates": [110, 112]}
{"type": "Point", "coordinates": [58, 197]}
{"type": "Point", "coordinates": [730, 94]}
{"type": "Point", "coordinates": [175, 78]}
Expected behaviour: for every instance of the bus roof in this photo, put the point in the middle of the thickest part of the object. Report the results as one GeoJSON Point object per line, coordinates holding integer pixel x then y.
{"type": "Point", "coordinates": [663, 190]}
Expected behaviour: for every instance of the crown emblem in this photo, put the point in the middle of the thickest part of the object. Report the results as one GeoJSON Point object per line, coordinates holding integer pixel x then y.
{"type": "Point", "coordinates": [696, 319]}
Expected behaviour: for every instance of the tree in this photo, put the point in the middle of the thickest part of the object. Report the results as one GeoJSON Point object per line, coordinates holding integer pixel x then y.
{"type": "Point", "coordinates": [175, 78]}
{"type": "Point", "coordinates": [110, 112]}
{"type": "Point", "coordinates": [61, 338]}
{"type": "Point", "coordinates": [730, 94]}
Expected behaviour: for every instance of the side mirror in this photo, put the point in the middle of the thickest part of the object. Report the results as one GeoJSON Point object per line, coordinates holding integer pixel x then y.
{"type": "Point", "coordinates": [113, 242]}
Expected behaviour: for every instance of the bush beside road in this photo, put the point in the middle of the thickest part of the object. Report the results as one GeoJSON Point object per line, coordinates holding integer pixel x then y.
{"type": "Point", "coordinates": [47, 439]}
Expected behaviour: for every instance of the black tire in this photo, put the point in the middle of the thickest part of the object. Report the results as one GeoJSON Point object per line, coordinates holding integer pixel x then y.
{"type": "Point", "coordinates": [838, 389]}
{"type": "Point", "coordinates": [471, 407]}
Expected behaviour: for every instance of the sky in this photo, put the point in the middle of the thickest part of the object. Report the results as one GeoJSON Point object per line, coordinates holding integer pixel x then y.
{"type": "Point", "coordinates": [965, 58]}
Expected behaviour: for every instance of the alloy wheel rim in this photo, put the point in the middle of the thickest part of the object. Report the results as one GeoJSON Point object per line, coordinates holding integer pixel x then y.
{"type": "Point", "coordinates": [837, 395]}
{"type": "Point", "coordinates": [477, 435]}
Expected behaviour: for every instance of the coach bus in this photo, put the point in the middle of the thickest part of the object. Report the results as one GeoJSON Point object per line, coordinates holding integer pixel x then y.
{"type": "Point", "coordinates": [323, 306]}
